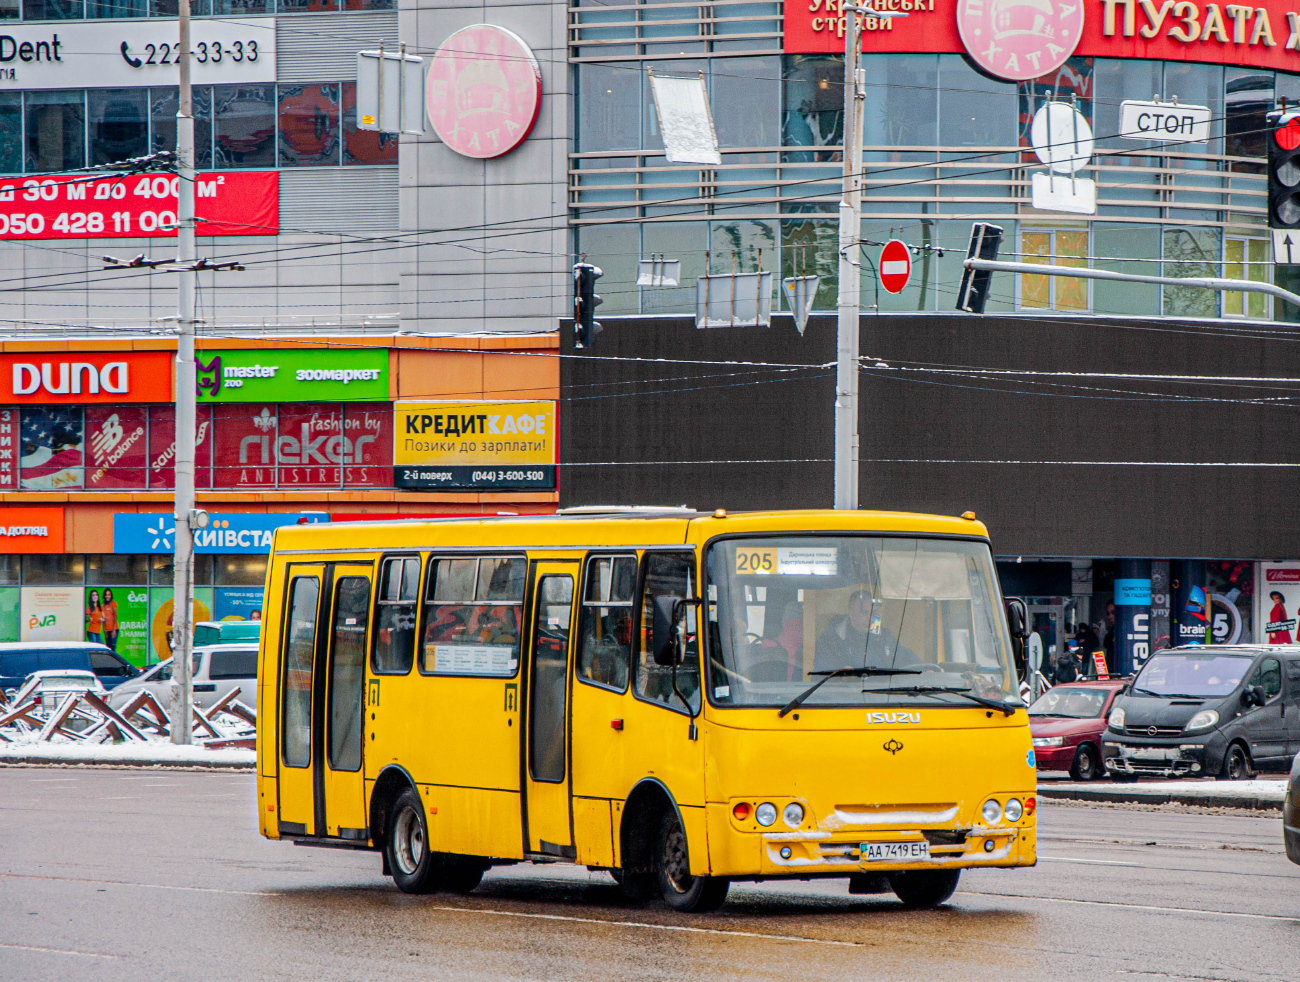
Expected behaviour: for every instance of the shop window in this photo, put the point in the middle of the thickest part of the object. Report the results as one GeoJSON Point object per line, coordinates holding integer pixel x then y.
{"type": "Point", "coordinates": [11, 132]}
{"type": "Point", "coordinates": [746, 96]}
{"type": "Point", "coordinates": [9, 9]}
{"type": "Point", "coordinates": [119, 124]}
{"type": "Point", "coordinates": [163, 104]}
{"type": "Point", "coordinates": [309, 125]}
{"type": "Point", "coordinates": [1191, 252]}
{"type": "Point", "coordinates": [1060, 247]}
{"type": "Point", "coordinates": [162, 447]}
{"type": "Point", "coordinates": [236, 7]}
{"type": "Point", "coordinates": [53, 9]}
{"type": "Point", "coordinates": [10, 569]}
{"type": "Point", "coordinates": [239, 570]}
{"type": "Point", "coordinates": [369, 4]}
{"type": "Point", "coordinates": [245, 125]}
{"type": "Point", "coordinates": [364, 146]}
{"type": "Point", "coordinates": [367, 448]}
{"type": "Point", "coordinates": [1247, 98]}
{"type": "Point", "coordinates": [1127, 248]}
{"type": "Point", "coordinates": [198, 8]}
{"type": "Point", "coordinates": [117, 8]}
{"type": "Point", "coordinates": [162, 574]}
{"type": "Point", "coordinates": [974, 110]}
{"type": "Point", "coordinates": [53, 570]}
{"type": "Point", "coordinates": [118, 568]}
{"type": "Point", "coordinates": [1246, 259]}
{"type": "Point", "coordinates": [902, 108]}
{"type": "Point", "coordinates": [307, 6]}
{"type": "Point", "coordinates": [55, 130]}
{"type": "Point", "coordinates": [51, 455]}
{"type": "Point", "coordinates": [813, 106]}
{"type": "Point", "coordinates": [608, 108]}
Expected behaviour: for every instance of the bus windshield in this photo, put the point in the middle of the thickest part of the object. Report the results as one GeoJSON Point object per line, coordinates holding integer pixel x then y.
{"type": "Point", "coordinates": [912, 616]}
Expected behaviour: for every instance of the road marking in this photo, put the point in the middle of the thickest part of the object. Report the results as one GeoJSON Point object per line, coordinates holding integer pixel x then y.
{"type": "Point", "coordinates": [653, 927]}
{"type": "Point", "coordinates": [55, 951]}
{"type": "Point", "coordinates": [144, 886]}
{"type": "Point", "coordinates": [1122, 906]}
{"type": "Point", "coordinates": [122, 797]}
{"type": "Point", "coordinates": [1091, 862]}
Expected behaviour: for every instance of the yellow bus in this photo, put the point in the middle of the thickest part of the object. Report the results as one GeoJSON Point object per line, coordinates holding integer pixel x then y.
{"type": "Point", "coordinates": [459, 694]}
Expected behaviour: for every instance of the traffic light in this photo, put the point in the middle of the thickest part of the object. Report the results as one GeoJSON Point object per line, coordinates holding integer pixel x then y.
{"type": "Point", "coordinates": [585, 301]}
{"type": "Point", "coordinates": [1284, 169]}
{"type": "Point", "coordinates": [974, 290]}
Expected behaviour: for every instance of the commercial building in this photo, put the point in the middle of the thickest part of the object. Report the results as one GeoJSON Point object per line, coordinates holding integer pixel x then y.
{"type": "Point", "coordinates": [542, 146]}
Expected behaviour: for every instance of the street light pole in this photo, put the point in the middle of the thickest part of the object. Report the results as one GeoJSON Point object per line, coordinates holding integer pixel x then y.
{"type": "Point", "coordinates": [849, 300]}
{"type": "Point", "coordinates": [186, 394]}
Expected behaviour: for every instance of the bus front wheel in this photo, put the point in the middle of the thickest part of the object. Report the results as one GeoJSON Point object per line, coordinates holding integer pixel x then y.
{"type": "Point", "coordinates": [682, 891]}
{"type": "Point", "coordinates": [924, 887]}
{"type": "Point", "coordinates": [412, 865]}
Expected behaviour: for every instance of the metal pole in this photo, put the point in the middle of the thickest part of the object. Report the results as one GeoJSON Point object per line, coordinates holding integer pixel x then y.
{"type": "Point", "coordinates": [183, 569]}
{"type": "Point", "coordinates": [849, 300]}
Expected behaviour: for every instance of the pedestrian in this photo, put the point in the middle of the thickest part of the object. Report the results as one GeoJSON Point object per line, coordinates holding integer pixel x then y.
{"type": "Point", "coordinates": [110, 619]}
{"type": "Point", "coordinates": [1108, 645]}
{"type": "Point", "coordinates": [1067, 665]}
{"type": "Point", "coordinates": [94, 619]}
{"type": "Point", "coordinates": [1088, 643]}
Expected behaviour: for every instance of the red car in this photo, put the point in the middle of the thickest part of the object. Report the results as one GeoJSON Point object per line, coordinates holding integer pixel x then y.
{"type": "Point", "coordinates": [1067, 722]}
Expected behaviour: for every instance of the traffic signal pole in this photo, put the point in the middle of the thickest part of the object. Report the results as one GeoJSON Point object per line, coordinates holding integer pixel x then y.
{"type": "Point", "coordinates": [849, 300]}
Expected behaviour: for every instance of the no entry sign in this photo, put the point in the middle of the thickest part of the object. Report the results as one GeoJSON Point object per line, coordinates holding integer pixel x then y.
{"type": "Point", "coordinates": [895, 266]}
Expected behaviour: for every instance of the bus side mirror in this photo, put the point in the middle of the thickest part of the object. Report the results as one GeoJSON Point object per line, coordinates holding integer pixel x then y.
{"type": "Point", "coordinates": [663, 634]}
{"type": "Point", "coordinates": [1017, 618]}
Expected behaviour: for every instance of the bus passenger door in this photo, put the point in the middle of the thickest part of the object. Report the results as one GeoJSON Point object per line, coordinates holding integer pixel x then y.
{"type": "Point", "coordinates": [341, 784]}
{"type": "Point", "coordinates": [299, 638]}
{"type": "Point", "coordinates": [546, 745]}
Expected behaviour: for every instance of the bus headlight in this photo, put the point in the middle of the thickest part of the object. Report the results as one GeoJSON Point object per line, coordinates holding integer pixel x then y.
{"type": "Point", "coordinates": [765, 813]}
{"type": "Point", "coordinates": [793, 814]}
{"type": "Point", "coordinates": [992, 811]}
{"type": "Point", "coordinates": [1013, 810]}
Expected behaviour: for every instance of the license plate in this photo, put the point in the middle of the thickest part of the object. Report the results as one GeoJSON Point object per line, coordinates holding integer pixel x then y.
{"type": "Point", "coordinates": [895, 852]}
{"type": "Point", "coordinates": [1154, 753]}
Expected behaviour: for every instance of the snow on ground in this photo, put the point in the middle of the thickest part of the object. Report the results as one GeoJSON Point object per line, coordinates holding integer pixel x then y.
{"type": "Point", "coordinates": [153, 752]}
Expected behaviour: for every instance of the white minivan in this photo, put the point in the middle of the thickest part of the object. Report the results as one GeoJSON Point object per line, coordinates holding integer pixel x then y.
{"type": "Point", "coordinates": [218, 668]}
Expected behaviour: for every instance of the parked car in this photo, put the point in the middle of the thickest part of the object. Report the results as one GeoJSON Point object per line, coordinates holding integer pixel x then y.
{"type": "Point", "coordinates": [51, 686]}
{"type": "Point", "coordinates": [1067, 722]}
{"type": "Point", "coordinates": [225, 632]}
{"type": "Point", "coordinates": [216, 670]}
{"type": "Point", "coordinates": [18, 660]}
{"type": "Point", "coordinates": [1291, 814]}
{"type": "Point", "coordinates": [1221, 710]}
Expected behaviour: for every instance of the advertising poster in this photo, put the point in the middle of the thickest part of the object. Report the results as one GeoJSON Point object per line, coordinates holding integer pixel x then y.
{"type": "Point", "coordinates": [237, 603]}
{"type": "Point", "coordinates": [51, 458]}
{"type": "Point", "coordinates": [483, 445]}
{"type": "Point", "coordinates": [162, 447]}
{"type": "Point", "coordinates": [117, 455]}
{"type": "Point", "coordinates": [10, 604]}
{"type": "Point", "coordinates": [1278, 602]}
{"type": "Point", "coordinates": [132, 641]}
{"type": "Point", "coordinates": [309, 445]}
{"type": "Point", "coordinates": [245, 437]}
{"type": "Point", "coordinates": [1231, 584]}
{"type": "Point", "coordinates": [160, 618]}
{"type": "Point", "coordinates": [52, 613]}
{"type": "Point", "coordinates": [293, 375]}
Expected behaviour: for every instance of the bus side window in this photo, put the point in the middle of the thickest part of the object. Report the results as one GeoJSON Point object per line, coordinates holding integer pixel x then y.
{"type": "Point", "coordinates": [605, 638]}
{"type": "Point", "coordinates": [399, 586]}
{"type": "Point", "coordinates": [668, 574]}
{"type": "Point", "coordinates": [473, 614]}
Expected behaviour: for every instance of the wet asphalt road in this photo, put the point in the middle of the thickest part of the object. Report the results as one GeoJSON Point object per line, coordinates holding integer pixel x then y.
{"type": "Point", "coordinates": [123, 875]}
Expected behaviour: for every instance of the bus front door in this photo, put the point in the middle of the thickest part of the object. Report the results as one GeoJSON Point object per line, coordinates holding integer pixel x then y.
{"type": "Point", "coordinates": [322, 684]}
{"type": "Point", "coordinates": [546, 808]}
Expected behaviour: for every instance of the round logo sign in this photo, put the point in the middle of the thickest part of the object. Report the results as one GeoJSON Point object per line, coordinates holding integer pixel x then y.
{"type": "Point", "coordinates": [895, 266]}
{"type": "Point", "coordinates": [484, 91]}
{"type": "Point", "coordinates": [1020, 39]}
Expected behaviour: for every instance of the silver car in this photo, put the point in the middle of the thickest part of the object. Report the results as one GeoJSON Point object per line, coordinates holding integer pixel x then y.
{"type": "Point", "coordinates": [218, 668]}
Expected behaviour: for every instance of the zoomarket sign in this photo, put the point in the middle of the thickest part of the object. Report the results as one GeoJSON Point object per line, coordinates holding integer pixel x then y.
{"type": "Point", "coordinates": [293, 375]}
{"type": "Point", "coordinates": [1023, 39]}
{"type": "Point", "coordinates": [86, 377]}
{"type": "Point", "coordinates": [75, 206]}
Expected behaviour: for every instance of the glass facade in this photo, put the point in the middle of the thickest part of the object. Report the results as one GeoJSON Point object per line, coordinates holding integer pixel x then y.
{"type": "Point", "coordinates": [944, 146]}
{"type": "Point", "coordinates": [236, 127]}
{"type": "Point", "coordinates": [108, 9]}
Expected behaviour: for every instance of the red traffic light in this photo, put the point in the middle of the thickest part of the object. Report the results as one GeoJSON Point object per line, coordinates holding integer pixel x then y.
{"type": "Point", "coordinates": [1288, 135]}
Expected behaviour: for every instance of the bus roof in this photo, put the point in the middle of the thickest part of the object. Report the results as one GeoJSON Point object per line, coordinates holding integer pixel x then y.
{"type": "Point", "coordinates": [612, 526]}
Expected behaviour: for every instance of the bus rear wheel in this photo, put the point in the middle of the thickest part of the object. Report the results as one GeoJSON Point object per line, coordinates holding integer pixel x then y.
{"type": "Point", "coordinates": [924, 887]}
{"type": "Point", "coordinates": [682, 891]}
{"type": "Point", "coordinates": [414, 868]}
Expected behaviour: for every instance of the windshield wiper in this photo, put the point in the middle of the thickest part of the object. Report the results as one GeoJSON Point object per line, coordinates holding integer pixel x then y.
{"type": "Point", "coordinates": [797, 701]}
{"type": "Point", "coordinates": [1005, 707]}
{"type": "Point", "coordinates": [1167, 695]}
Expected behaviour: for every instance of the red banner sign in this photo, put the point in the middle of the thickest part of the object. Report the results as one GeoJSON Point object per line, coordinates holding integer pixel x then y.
{"type": "Point", "coordinates": [140, 206]}
{"type": "Point", "coordinates": [1264, 36]}
{"type": "Point", "coordinates": [84, 376]}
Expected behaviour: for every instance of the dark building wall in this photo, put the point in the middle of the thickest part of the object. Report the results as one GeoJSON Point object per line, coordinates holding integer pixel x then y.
{"type": "Point", "coordinates": [946, 442]}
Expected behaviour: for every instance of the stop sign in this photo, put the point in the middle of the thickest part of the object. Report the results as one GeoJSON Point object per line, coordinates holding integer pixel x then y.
{"type": "Point", "coordinates": [895, 266]}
